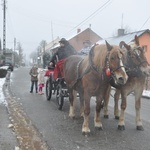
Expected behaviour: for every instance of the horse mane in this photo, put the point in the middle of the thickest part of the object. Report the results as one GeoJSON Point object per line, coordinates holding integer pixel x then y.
{"type": "Point", "coordinates": [100, 53]}
{"type": "Point", "coordinates": [96, 57]}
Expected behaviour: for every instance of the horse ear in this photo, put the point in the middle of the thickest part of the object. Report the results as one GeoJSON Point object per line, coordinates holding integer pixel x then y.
{"type": "Point", "coordinates": [109, 47]}
{"type": "Point", "coordinates": [136, 40]}
{"type": "Point", "coordinates": [122, 43]}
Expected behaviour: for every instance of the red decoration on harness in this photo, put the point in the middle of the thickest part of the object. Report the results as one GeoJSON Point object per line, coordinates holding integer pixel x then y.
{"type": "Point", "coordinates": [107, 71]}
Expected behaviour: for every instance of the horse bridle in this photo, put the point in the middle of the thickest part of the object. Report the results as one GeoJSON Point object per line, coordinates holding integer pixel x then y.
{"type": "Point", "coordinates": [96, 69]}
{"type": "Point", "coordinates": [138, 56]}
{"type": "Point", "coordinates": [107, 64]}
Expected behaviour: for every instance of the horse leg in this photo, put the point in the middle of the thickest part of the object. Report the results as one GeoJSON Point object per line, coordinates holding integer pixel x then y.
{"type": "Point", "coordinates": [116, 108]}
{"type": "Point", "coordinates": [97, 120]}
{"type": "Point", "coordinates": [85, 126]}
{"type": "Point", "coordinates": [121, 124]}
{"type": "Point", "coordinates": [139, 125]}
{"type": "Point", "coordinates": [106, 101]}
{"type": "Point", "coordinates": [81, 104]}
{"type": "Point", "coordinates": [72, 99]}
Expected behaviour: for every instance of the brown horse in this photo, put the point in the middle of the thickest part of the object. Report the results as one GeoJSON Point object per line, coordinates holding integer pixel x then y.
{"type": "Point", "coordinates": [137, 70]}
{"type": "Point", "coordinates": [90, 76]}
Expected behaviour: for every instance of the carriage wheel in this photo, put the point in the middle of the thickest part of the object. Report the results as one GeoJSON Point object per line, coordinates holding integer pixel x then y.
{"type": "Point", "coordinates": [49, 88]}
{"type": "Point", "coordinates": [60, 97]}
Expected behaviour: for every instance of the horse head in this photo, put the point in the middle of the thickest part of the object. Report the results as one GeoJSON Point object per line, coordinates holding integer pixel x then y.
{"type": "Point", "coordinates": [114, 62]}
{"type": "Point", "coordinates": [136, 59]}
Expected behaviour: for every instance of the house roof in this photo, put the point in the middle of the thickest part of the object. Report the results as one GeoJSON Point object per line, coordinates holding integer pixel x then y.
{"type": "Point", "coordinates": [77, 34]}
{"type": "Point", "coordinates": [84, 30]}
{"type": "Point", "coordinates": [52, 44]}
{"type": "Point", "coordinates": [129, 37]}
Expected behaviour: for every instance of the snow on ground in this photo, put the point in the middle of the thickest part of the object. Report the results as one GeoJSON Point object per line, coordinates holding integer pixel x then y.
{"type": "Point", "coordinates": [2, 81]}
{"type": "Point", "coordinates": [2, 98]}
{"type": "Point", "coordinates": [4, 67]}
{"type": "Point", "coordinates": [146, 93]}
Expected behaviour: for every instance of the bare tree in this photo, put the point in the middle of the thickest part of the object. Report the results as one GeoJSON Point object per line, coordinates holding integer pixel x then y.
{"type": "Point", "coordinates": [33, 56]}
{"type": "Point", "coordinates": [20, 50]}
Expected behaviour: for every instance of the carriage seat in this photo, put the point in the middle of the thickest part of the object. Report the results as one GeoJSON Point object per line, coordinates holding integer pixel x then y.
{"type": "Point", "coordinates": [49, 71]}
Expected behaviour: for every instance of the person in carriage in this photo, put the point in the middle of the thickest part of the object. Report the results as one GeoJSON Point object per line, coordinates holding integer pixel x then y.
{"type": "Point", "coordinates": [65, 50]}
{"type": "Point", "coordinates": [86, 48]}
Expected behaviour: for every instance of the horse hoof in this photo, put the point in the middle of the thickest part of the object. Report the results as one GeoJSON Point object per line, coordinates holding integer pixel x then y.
{"type": "Point", "coordinates": [140, 128]}
{"type": "Point", "coordinates": [99, 128]}
{"type": "Point", "coordinates": [117, 117]}
{"type": "Point", "coordinates": [121, 127]}
{"type": "Point", "coordinates": [72, 116]}
{"type": "Point", "coordinates": [59, 108]}
{"type": "Point", "coordinates": [106, 116]}
{"type": "Point", "coordinates": [86, 134]}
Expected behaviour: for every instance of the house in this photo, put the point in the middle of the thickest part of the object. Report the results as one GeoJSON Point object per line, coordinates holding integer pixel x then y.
{"type": "Point", "coordinates": [143, 35]}
{"type": "Point", "coordinates": [51, 45]}
{"type": "Point", "coordinates": [77, 40]}
{"type": "Point", "coordinates": [88, 34]}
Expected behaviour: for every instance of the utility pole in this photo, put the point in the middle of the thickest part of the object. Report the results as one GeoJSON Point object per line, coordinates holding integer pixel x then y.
{"type": "Point", "coordinates": [14, 51]}
{"type": "Point", "coordinates": [4, 26]}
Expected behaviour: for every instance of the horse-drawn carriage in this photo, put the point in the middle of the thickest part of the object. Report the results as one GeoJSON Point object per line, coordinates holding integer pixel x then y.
{"type": "Point", "coordinates": [124, 67]}
{"type": "Point", "coordinates": [55, 87]}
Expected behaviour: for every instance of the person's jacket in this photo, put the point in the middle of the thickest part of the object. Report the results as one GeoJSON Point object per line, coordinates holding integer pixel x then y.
{"type": "Point", "coordinates": [63, 52]}
{"type": "Point", "coordinates": [34, 74]}
{"type": "Point", "coordinates": [41, 79]}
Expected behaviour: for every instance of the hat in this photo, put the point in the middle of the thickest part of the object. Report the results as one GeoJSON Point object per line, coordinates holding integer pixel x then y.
{"type": "Point", "coordinates": [87, 41]}
{"type": "Point", "coordinates": [63, 40]}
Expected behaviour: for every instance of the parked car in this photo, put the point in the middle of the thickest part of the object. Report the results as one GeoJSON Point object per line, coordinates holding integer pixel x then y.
{"type": "Point", "coordinates": [10, 66]}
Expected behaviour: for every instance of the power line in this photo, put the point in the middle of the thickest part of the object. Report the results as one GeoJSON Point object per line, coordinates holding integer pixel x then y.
{"type": "Point", "coordinates": [145, 22]}
{"type": "Point", "coordinates": [91, 16]}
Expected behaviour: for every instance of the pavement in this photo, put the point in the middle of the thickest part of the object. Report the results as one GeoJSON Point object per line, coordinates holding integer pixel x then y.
{"type": "Point", "coordinates": [7, 136]}
{"type": "Point", "coordinates": [8, 140]}
{"type": "Point", "coordinates": [16, 130]}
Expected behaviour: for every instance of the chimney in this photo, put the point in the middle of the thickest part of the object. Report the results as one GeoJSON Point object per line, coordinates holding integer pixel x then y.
{"type": "Point", "coordinates": [120, 32]}
{"type": "Point", "coordinates": [78, 30]}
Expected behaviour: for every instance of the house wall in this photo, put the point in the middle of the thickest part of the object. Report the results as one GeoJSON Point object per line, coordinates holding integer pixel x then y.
{"type": "Point", "coordinates": [145, 40]}
{"type": "Point", "coordinates": [88, 34]}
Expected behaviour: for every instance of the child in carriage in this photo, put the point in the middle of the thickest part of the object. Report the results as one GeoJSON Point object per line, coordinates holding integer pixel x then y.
{"type": "Point", "coordinates": [65, 50]}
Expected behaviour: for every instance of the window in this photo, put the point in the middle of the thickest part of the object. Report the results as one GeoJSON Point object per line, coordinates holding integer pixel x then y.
{"type": "Point", "coordinates": [145, 48]}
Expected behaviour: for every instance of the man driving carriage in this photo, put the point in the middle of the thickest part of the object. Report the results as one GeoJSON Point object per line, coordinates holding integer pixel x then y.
{"type": "Point", "coordinates": [65, 50]}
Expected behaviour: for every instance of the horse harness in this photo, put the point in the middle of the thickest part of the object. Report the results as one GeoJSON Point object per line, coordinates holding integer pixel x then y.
{"type": "Point", "coordinates": [133, 69]}
{"type": "Point", "coordinates": [94, 68]}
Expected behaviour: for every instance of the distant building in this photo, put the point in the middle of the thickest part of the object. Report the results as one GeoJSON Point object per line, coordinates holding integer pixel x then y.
{"type": "Point", "coordinates": [9, 56]}
{"type": "Point", "coordinates": [51, 45]}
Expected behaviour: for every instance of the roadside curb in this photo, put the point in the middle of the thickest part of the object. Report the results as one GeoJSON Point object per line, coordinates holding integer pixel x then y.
{"type": "Point", "coordinates": [26, 133]}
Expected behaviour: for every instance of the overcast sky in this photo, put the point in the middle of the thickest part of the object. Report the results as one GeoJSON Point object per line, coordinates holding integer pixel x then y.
{"type": "Point", "coordinates": [31, 21]}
